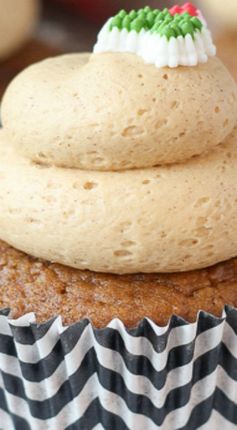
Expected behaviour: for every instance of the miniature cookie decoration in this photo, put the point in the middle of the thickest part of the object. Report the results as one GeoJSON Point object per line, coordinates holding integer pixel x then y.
{"type": "Point", "coordinates": [175, 37]}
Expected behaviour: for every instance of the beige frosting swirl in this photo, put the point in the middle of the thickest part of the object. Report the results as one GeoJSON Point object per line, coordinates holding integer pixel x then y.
{"type": "Point", "coordinates": [162, 219]}
{"type": "Point", "coordinates": [151, 219]}
{"type": "Point", "coordinates": [116, 112]}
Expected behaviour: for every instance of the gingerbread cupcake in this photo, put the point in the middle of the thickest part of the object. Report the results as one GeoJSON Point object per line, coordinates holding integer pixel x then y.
{"type": "Point", "coordinates": [17, 23]}
{"type": "Point", "coordinates": [118, 211]}
{"type": "Point", "coordinates": [224, 12]}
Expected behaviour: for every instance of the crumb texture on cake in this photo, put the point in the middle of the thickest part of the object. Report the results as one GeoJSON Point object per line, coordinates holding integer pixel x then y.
{"type": "Point", "coordinates": [32, 285]}
{"type": "Point", "coordinates": [115, 112]}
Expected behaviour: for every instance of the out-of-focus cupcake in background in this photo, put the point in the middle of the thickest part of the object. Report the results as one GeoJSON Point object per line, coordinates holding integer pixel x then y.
{"type": "Point", "coordinates": [225, 12]}
{"type": "Point", "coordinates": [99, 10]}
{"type": "Point", "coordinates": [18, 19]}
{"type": "Point", "coordinates": [224, 19]}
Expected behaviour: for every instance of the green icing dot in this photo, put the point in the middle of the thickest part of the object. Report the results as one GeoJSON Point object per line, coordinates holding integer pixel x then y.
{"type": "Point", "coordinates": [116, 22]}
{"type": "Point", "coordinates": [147, 9]}
{"type": "Point", "coordinates": [142, 15]}
{"type": "Point", "coordinates": [167, 31]}
{"type": "Point", "coordinates": [126, 23]}
{"type": "Point", "coordinates": [122, 13]}
{"type": "Point", "coordinates": [196, 22]}
{"type": "Point", "coordinates": [155, 28]}
{"type": "Point", "coordinates": [150, 18]}
{"type": "Point", "coordinates": [160, 16]}
{"type": "Point", "coordinates": [176, 29]}
{"type": "Point", "coordinates": [185, 15]}
{"type": "Point", "coordinates": [187, 28]}
{"type": "Point", "coordinates": [137, 24]}
{"type": "Point", "coordinates": [132, 14]}
{"type": "Point", "coordinates": [157, 21]}
{"type": "Point", "coordinates": [168, 19]}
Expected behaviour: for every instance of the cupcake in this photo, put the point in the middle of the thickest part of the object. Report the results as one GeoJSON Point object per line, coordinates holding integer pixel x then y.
{"type": "Point", "coordinates": [118, 233]}
{"type": "Point", "coordinates": [224, 17]}
{"type": "Point", "coordinates": [226, 12]}
{"type": "Point", "coordinates": [17, 22]}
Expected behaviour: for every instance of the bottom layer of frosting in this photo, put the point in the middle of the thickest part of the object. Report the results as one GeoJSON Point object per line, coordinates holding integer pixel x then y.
{"type": "Point", "coordinates": [164, 219]}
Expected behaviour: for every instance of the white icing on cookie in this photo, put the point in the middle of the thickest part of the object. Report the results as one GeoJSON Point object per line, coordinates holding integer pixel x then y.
{"type": "Point", "coordinates": [156, 49]}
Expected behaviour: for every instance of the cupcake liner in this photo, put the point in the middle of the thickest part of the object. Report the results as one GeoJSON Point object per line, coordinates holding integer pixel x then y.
{"type": "Point", "coordinates": [179, 377]}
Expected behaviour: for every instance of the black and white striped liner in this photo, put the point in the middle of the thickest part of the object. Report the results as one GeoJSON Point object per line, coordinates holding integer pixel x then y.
{"type": "Point", "coordinates": [179, 377]}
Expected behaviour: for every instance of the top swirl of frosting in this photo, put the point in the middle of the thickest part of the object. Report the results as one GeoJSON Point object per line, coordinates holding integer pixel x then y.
{"type": "Point", "coordinates": [114, 112]}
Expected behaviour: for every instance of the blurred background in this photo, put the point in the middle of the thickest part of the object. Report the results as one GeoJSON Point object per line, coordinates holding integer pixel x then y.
{"type": "Point", "coordinates": [31, 30]}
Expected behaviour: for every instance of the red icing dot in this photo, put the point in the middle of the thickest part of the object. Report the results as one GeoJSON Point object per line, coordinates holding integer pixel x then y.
{"type": "Point", "coordinates": [175, 9]}
{"type": "Point", "coordinates": [190, 8]}
{"type": "Point", "coordinates": [187, 7]}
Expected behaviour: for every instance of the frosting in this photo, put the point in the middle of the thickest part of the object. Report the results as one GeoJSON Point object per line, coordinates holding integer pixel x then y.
{"type": "Point", "coordinates": [166, 218]}
{"type": "Point", "coordinates": [105, 121]}
{"type": "Point", "coordinates": [174, 37]}
{"type": "Point", "coordinates": [114, 113]}
{"type": "Point", "coordinates": [163, 219]}
{"type": "Point", "coordinates": [187, 7]}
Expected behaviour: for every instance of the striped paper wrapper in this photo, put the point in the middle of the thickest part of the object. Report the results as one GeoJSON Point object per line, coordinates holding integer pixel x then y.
{"type": "Point", "coordinates": [179, 377]}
